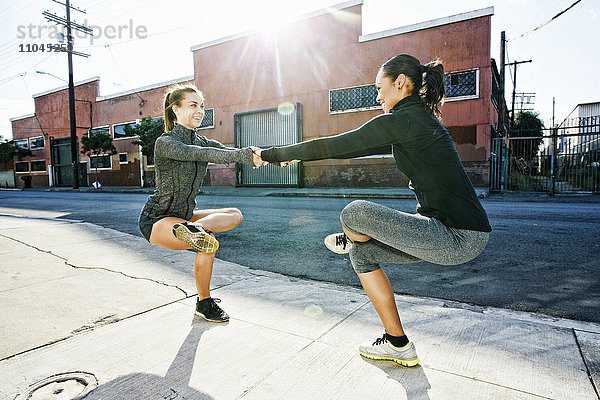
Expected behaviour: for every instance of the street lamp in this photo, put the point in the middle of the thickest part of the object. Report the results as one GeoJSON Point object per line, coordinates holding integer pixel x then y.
{"type": "Point", "coordinates": [48, 73]}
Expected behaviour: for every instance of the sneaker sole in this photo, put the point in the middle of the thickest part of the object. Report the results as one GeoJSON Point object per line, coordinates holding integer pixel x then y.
{"type": "Point", "coordinates": [210, 320]}
{"type": "Point", "coordinates": [406, 363]}
{"type": "Point", "coordinates": [209, 243]}
{"type": "Point", "coordinates": [333, 249]}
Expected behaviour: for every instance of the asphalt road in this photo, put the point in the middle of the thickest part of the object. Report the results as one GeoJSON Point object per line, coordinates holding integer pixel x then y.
{"type": "Point", "coordinates": [542, 257]}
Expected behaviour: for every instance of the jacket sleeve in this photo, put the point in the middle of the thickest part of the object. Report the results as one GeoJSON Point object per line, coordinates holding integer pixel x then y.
{"type": "Point", "coordinates": [374, 137]}
{"type": "Point", "coordinates": [168, 148]}
{"type": "Point", "coordinates": [217, 144]}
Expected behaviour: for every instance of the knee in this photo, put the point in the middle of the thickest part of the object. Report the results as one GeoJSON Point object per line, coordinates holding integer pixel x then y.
{"type": "Point", "coordinates": [361, 259]}
{"type": "Point", "coordinates": [353, 212]}
{"type": "Point", "coordinates": [236, 216]}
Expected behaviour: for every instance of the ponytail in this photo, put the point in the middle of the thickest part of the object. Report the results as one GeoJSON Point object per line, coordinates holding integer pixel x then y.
{"type": "Point", "coordinates": [432, 92]}
{"type": "Point", "coordinates": [173, 96]}
{"type": "Point", "coordinates": [427, 80]}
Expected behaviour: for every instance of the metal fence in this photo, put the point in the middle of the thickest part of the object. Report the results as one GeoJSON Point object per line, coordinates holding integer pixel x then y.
{"type": "Point", "coordinates": [264, 128]}
{"type": "Point", "coordinates": [565, 159]}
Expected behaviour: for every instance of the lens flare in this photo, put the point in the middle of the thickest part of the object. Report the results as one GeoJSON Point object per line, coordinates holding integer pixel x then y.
{"type": "Point", "coordinates": [285, 108]}
{"type": "Point", "coordinates": [313, 310]}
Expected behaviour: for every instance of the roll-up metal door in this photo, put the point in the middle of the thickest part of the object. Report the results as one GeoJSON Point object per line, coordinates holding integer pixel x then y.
{"type": "Point", "coordinates": [265, 128]}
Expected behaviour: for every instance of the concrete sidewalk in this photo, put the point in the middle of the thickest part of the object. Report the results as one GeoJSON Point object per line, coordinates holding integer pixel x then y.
{"type": "Point", "coordinates": [91, 311]}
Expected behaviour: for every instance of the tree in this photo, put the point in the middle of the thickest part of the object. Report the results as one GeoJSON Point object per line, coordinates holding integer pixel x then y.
{"type": "Point", "coordinates": [527, 125]}
{"type": "Point", "coordinates": [97, 143]}
{"type": "Point", "coordinates": [8, 151]}
{"type": "Point", "coordinates": [147, 131]}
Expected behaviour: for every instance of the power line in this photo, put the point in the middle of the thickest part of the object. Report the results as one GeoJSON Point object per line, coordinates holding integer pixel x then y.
{"type": "Point", "coordinates": [6, 80]}
{"type": "Point", "coordinates": [547, 22]}
{"type": "Point", "coordinates": [17, 13]}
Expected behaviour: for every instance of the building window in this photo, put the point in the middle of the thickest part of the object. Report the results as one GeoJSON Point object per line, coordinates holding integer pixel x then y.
{"type": "Point", "coordinates": [38, 166]}
{"type": "Point", "coordinates": [358, 98]}
{"type": "Point", "coordinates": [209, 119]}
{"type": "Point", "coordinates": [462, 85]}
{"type": "Point", "coordinates": [122, 158]}
{"type": "Point", "coordinates": [119, 130]}
{"type": "Point", "coordinates": [22, 166]}
{"type": "Point", "coordinates": [37, 143]}
{"type": "Point", "coordinates": [104, 129]}
{"type": "Point", "coordinates": [101, 162]}
{"type": "Point", "coordinates": [24, 143]}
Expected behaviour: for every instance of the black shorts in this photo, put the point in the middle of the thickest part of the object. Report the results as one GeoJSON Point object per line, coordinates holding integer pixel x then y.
{"type": "Point", "coordinates": [145, 224]}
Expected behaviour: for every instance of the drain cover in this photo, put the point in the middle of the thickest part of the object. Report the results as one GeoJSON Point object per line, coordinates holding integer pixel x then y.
{"type": "Point", "coordinates": [65, 386]}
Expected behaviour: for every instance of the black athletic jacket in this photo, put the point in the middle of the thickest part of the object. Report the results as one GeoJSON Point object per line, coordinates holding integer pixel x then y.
{"type": "Point", "coordinates": [423, 150]}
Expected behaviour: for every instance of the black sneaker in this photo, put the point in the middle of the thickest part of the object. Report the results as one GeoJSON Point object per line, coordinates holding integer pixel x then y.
{"type": "Point", "coordinates": [196, 236]}
{"type": "Point", "coordinates": [210, 310]}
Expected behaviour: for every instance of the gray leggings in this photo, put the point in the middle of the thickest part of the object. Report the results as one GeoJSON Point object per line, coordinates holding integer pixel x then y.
{"type": "Point", "coordinates": [400, 238]}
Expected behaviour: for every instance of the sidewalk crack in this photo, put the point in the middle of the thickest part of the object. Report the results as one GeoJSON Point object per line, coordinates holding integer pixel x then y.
{"type": "Point", "coordinates": [66, 261]}
{"type": "Point", "coordinates": [587, 368]}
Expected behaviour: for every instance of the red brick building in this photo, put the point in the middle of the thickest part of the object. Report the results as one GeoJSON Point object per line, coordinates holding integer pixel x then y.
{"type": "Point", "coordinates": [309, 78]}
{"type": "Point", "coordinates": [47, 134]}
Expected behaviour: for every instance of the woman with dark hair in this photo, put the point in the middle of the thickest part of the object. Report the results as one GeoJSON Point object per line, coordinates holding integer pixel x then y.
{"type": "Point", "coordinates": [450, 226]}
{"type": "Point", "coordinates": [168, 218]}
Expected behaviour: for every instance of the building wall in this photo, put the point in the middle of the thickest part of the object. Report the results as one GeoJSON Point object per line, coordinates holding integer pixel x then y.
{"type": "Point", "coordinates": [299, 62]}
{"type": "Point", "coordinates": [120, 109]}
{"type": "Point", "coordinates": [51, 120]}
{"type": "Point", "coordinates": [303, 60]}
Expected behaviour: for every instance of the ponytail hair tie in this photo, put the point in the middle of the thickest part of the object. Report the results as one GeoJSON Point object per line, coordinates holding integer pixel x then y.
{"type": "Point", "coordinates": [424, 69]}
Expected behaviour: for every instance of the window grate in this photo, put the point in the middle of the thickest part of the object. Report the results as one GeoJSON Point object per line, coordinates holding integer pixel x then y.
{"type": "Point", "coordinates": [354, 98]}
{"type": "Point", "coordinates": [209, 118]}
{"type": "Point", "coordinates": [459, 84]}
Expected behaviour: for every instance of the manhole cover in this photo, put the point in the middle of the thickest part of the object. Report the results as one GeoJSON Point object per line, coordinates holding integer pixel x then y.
{"type": "Point", "coordinates": [65, 386]}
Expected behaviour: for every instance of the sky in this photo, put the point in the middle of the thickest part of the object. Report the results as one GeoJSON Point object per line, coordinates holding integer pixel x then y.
{"type": "Point", "coordinates": [142, 42]}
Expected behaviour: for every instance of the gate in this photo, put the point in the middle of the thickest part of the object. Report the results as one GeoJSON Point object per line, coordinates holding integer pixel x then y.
{"type": "Point", "coordinates": [565, 159]}
{"type": "Point", "coordinates": [265, 128]}
{"type": "Point", "coordinates": [62, 174]}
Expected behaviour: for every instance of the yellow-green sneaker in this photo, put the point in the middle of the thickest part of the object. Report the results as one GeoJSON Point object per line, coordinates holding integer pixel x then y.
{"type": "Point", "coordinates": [381, 349]}
{"type": "Point", "coordinates": [195, 235]}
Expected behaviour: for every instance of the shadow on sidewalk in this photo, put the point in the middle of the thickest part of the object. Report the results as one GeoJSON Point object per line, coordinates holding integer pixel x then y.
{"type": "Point", "coordinates": [413, 380]}
{"type": "Point", "coordinates": [173, 386]}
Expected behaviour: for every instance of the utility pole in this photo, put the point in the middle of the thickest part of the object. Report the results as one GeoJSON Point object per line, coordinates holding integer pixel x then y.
{"type": "Point", "coordinates": [501, 119]}
{"type": "Point", "coordinates": [73, 125]}
{"type": "Point", "coordinates": [553, 153]}
{"type": "Point", "coordinates": [512, 117]}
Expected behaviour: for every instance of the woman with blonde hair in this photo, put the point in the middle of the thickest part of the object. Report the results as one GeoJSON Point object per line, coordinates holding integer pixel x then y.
{"type": "Point", "coordinates": [168, 218]}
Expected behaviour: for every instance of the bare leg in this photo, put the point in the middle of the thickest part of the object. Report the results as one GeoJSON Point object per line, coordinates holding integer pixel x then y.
{"type": "Point", "coordinates": [203, 265]}
{"type": "Point", "coordinates": [378, 288]}
{"type": "Point", "coordinates": [217, 220]}
{"type": "Point", "coordinates": [356, 238]}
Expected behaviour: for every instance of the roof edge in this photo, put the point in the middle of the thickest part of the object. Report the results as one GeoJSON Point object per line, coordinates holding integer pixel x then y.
{"type": "Point", "coordinates": [22, 117]}
{"type": "Point", "coordinates": [58, 89]}
{"type": "Point", "coordinates": [301, 17]}
{"type": "Point", "coordinates": [145, 88]}
{"type": "Point", "coordinates": [483, 12]}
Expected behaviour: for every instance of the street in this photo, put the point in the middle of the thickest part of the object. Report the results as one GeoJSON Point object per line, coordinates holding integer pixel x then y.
{"type": "Point", "coordinates": [542, 257]}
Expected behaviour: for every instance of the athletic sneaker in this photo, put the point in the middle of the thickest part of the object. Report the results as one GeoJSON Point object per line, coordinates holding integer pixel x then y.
{"type": "Point", "coordinates": [210, 310]}
{"type": "Point", "coordinates": [196, 236]}
{"type": "Point", "coordinates": [381, 349]}
{"type": "Point", "coordinates": [338, 243]}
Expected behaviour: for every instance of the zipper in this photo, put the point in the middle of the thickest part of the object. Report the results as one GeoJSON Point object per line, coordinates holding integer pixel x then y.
{"type": "Point", "coordinates": [195, 171]}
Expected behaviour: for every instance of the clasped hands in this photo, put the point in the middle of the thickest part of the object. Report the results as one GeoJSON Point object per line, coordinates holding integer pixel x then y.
{"type": "Point", "coordinates": [259, 162]}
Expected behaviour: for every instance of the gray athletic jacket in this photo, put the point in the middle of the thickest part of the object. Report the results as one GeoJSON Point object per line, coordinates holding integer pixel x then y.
{"type": "Point", "coordinates": [180, 161]}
